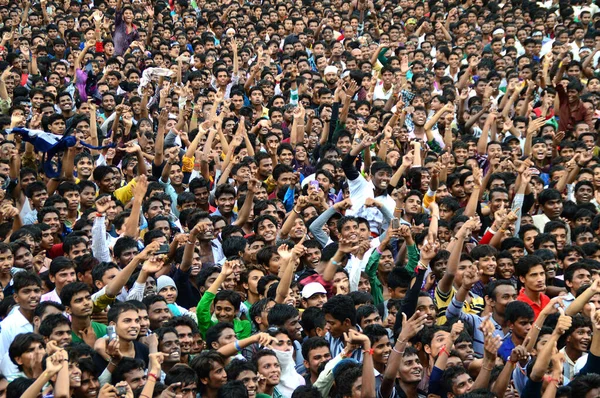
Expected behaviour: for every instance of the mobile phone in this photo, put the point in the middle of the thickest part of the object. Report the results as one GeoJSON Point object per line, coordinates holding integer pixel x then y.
{"type": "Point", "coordinates": [314, 184]}
{"type": "Point", "coordinates": [163, 249]}
{"type": "Point", "coordinates": [395, 223]}
{"type": "Point", "coordinates": [121, 391]}
{"type": "Point", "coordinates": [111, 333]}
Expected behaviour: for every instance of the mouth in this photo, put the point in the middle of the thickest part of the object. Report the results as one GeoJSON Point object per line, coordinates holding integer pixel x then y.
{"type": "Point", "coordinates": [134, 332]}
{"type": "Point", "coordinates": [176, 355]}
{"type": "Point", "coordinates": [383, 184]}
{"type": "Point", "coordinates": [469, 357]}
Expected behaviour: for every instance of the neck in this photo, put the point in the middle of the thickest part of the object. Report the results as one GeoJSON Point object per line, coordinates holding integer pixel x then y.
{"type": "Point", "coordinates": [125, 345]}
{"type": "Point", "coordinates": [79, 323]}
{"type": "Point", "coordinates": [573, 354]}
{"type": "Point", "coordinates": [498, 318]}
{"type": "Point", "coordinates": [269, 390]}
{"type": "Point", "coordinates": [516, 339]}
{"type": "Point", "coordinates": [380, 366]}
{"type": "Point", "coordinates": [167, 366]}
{"type": "Point", "coordinates": [211, 393]}
{"type": "Point", "coordinates": [533, 296]}
{"type": "Point", "coordinates": [409, 389]}
{"type": "Point", "coordinates": [252, 298]}
{"type": "Point", "coordinates": [484, 279]}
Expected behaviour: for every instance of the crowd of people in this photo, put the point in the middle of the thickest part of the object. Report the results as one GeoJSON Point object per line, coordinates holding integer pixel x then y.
{"type": "Point", "coordinates": [299, 199]}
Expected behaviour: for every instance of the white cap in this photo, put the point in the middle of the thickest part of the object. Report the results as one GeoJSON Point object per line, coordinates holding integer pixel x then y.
{"type": "Point", "coordinates": [498, 31]}
{"type": "Point", "coordinates": [331, 69]}
{"type": "Point", "coordinates": [312, 289]}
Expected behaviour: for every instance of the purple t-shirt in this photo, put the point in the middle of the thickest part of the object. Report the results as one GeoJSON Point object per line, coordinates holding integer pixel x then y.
{"type": "Point", "coordinates": [121, 38]}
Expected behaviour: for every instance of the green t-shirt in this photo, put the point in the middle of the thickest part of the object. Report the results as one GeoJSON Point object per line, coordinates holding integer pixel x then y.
{"type": "Point", "coordinates": [99, 330]}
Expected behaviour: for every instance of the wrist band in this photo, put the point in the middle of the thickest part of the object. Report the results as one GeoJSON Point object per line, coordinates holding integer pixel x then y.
{"type": "Point", "coordinates": [537, 327]}
{"type": "Point", "coordinates": [397, 352]}
{"type": "Point", "coordinates": [378, 251]}
{"type": "Point", "coordinates": [369, 351]}
{"type": "Point", "coordinates": [153, 375]}
{"type": "Point", "coordinates": [444, 351]}
{"type": "Point", "coordinates": [237, 345]}
{"type": "Point", "coordinates": [490, 369]}
{"type": "Point", "coordinates": [295, 211]}
{"type": "Point", "coordinates": [334, 262]}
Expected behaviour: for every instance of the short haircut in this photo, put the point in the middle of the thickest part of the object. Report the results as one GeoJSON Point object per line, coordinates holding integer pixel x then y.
{"type": "Point", "coordinates": [51, 322]}
{"type": "Point", "coordinates": [70, 290]}
{"type": "Point", "coordinates": [518, 309]}
{"type": "Point", "coordinates": [20, 345]}
{"type": "Point", "coordinates": [280, 314]}
{"type": "Point", "coordinates": [341, 308]}
{"type": "Point", "coordinates": [118, 308]}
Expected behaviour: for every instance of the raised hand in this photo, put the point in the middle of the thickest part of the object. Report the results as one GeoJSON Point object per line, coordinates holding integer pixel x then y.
{"type": "Point", "coordinates": [103, 204]}
{"type": "Point", "coordinates": [412, 326]}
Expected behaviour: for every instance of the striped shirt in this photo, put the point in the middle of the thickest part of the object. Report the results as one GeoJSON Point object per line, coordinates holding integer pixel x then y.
{"type": "Point", "coordinates": [473, 321]}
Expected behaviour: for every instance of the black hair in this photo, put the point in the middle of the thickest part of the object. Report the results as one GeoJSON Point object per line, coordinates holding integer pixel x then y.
{"type": "Point", "coordinates": [126, 365]}
{"type": "Point", "coordinates": [20, 345]}
{"type": "Point", "coordinates": [70, 290]}
{"type": "Point", "coordinates": [518, 309]}
{"type": "Point", "coordinates": [281, 313]}
{"type": "Point", "coordinates": [214, 333]}
{"type": "Point", "coordinates": [51, 322]}
{"type": "Point", "coordinates": [341, 308]}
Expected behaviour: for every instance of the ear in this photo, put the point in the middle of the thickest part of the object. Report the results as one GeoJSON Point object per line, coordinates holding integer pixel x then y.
{"type": "Point", "coordinates": [522, 279]}
{"type": "Point", "coordinates": [98, 284]}
{"type": "Point", "coordinates": [68, 309]}
{"type": "Point", "coordinates": [306, 364]}
{"type": "Point", "coordinates": [52, 278]}
{"type": "Point", "coordinates": [19, 361]}
{"type": "Point", "coordinates": [215, 345]}
{"type": "Point", "coordinates": [245, 286]}
{"type": "Point", "coordinates": [427, 349]}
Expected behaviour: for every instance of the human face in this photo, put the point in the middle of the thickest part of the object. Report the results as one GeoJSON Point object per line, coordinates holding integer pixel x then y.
{"type": "Point", "coordinates": [505, 294]}
{"type": "Point", "coordinates": [32, 356]}
{"type": "Point", "coordinates": [294, 328]}
{"type": "Point", "coordinates": [28, 297]}
{"type": "Point", "coordinates": [186, 338]}
{"type": "Point", "coordinates": [268, 231]}
{"type": "Point", "coordinates": [462, 384]}
{"type": "Point", "coordinates": [144, 322]}
{"type": "Point", "coordinates": [128, 325]}
{"type": "Point", "coordinates": [553, 208]}
{"type": "Point", "coordinates": [224, 311]}
{"type": "Point", "coordinates": [505, 268]}
{"type": "Point", "coordinates": [316, 300]}
{"type": "Point", "coordinates": [535, 279]}
{"type": "Point", "coordinates": [81, 305]}
{"type": "Point", "coordinates": [24, 259]}
{"type": "Point", "coordinates": [411, 370]}
{"type": "Point", "coordinates": [135, 378]}
{"type": "Point", "coordinates": [580, 339]}
{"type": "Point", "coordinates": [315, 358]}
{"type": "Point", "coordinates": [250, 380]}
{"type": "Point", "coordinates": [561, 237]}
{"type": "Point", "coordinates": [159, 314]}
{"type": "Point", "coordinates": [6, 262]}
{"type": "Point", "coordinates": [335, 327]}
{"type": "Point", "coordinates": [171, 347]}
{"type": "Point", "coordinates": [269, 367]}
{"type": "Point", "coordinates": [521, 327]}
{"type": "Point", "coordinates": [63, 277]}
{"type": "Point", "coordinates": [426, 306]}
{"type": "Point", "coordinates": [225, 203]}
{"type": "Point", "coordinates": [465, 350]}
{"type": "Point", "coordinates": [89, 387]}
{"type": "Point", "coordinates": [580, 278]}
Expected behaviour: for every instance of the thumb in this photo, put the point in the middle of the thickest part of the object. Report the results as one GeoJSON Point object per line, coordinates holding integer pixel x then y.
{"type": "Point", "coordinates": [561, 310]}
{"type": "Point", "coordinates": [526, 341]}
{"type": "Point", "coordinates": [404, 319]}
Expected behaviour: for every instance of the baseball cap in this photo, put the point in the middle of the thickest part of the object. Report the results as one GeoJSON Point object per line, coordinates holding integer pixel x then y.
{"type": "Point", "coordinates": [311, 289]}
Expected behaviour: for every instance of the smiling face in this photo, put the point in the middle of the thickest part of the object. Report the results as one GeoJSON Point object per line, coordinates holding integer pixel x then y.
{"type": "Point", "coordinates": [171, 347]}
{"type": "Point", "coordinates": [268, 366]}
{"type": "Point", "coordinates": [128, 325]}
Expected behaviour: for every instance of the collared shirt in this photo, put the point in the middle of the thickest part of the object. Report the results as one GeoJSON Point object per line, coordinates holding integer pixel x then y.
{"type": "Point", "coordinates": [336, 346]}
{"type": "Point", "coordinates": [10, 327]}
{"type": "Point", "coordinates": [51, 296]}
{"type": "Point", "coordinates": [121, 38]}
{"type": "Point", "coordinates": [537, 308]}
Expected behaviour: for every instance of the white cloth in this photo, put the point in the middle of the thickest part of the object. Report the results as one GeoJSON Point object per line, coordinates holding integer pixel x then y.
{"type": "Point", "coordinates": [290, 379]}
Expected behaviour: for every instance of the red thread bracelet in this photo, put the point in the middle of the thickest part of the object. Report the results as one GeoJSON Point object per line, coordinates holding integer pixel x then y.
{"type": "Point", "coordinates": [369, 351]}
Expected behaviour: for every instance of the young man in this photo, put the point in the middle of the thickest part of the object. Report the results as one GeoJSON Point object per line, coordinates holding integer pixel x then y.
{"type": "Point", "coordinates": [77, 299]}
{"type": "Point", "coordinates": [576, 276]}
{"type": "Point", "coordinates": [531, 273]}
{"type": "Point", "coordinates": [244, 371]}
{"type": "Point", "coordinates": [126, 320]}
{"type": "Point", "coordinates": [158, 311]}
{"type": "Point", "coordinates": [62, 273]}
{"type": "Point", "coordinates": [226, 303]}
{"type": "Point", "coordinates": [131, 371]}
{"type": "Point", "coordinates": [576, 343]}
{"type": "Point", "coordinates": [57, 328]}
{"type": "Point", "coordinates": [519, 318]}
{"type": "Point", "coordinates": [268, 367]}
{"type": "Point", "coordinates": [315, 351]}
{"type": "Point", "coordinates": [27, 289]}
{"type": "Point", "coordinates": [210, 368]}
{"type": "Point", "coordinates": [186, 328]}
{"type": "Point", "coordinates": [249, 280]}
{"type": "Point", "coordinates": [340, 315]}
{"type": "Point", "coordinates": [26, 352]}
{"type": "Point", "coordinates": [169, 345]}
